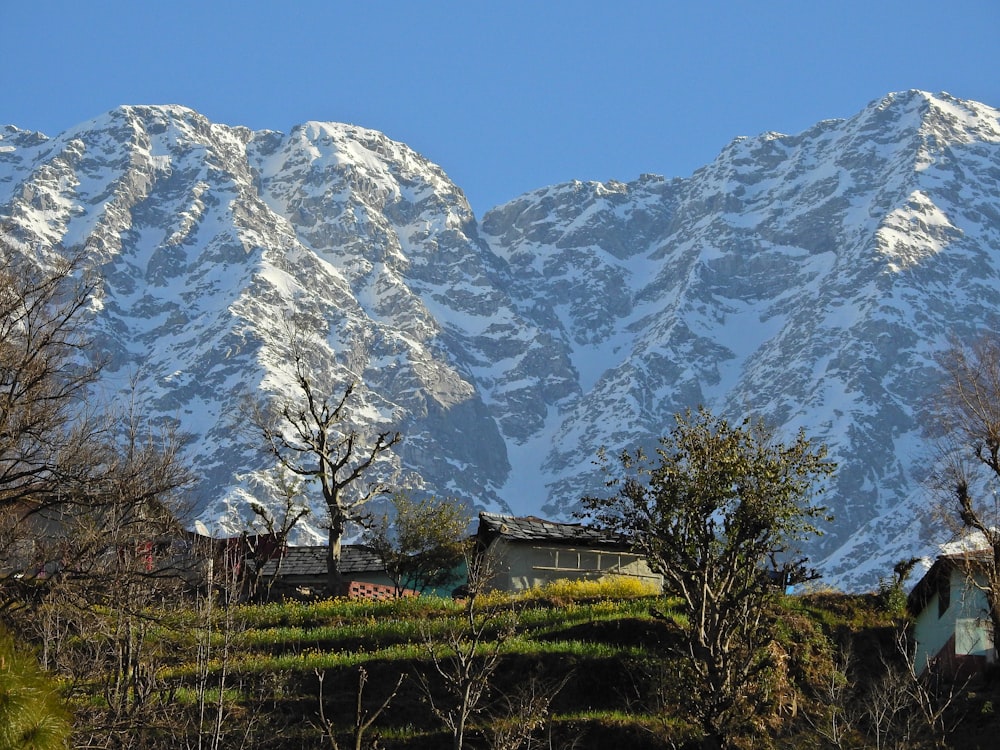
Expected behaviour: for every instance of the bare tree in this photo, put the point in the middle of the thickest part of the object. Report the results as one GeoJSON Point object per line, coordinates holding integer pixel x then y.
{"type": "Point", "coordinates": [836, 724]}
{"type": "Point", "coordinates": [118, 520]}
{"type": "Point", "coordinates": [525, 712]}
{"type": "Point", "coordinates": [363, 718]}
{"type": "Point", "coordinates": [278, 526]}
{"type": "Point", "coordinates": [966, 430]}
{"type": "Point", "coordinates": [309, 435]}
{"type": "Point", "coordinates": [903, 709]}
{"type": "Point", "coordinates": [75, 480]}
{"type": "Point", "coordinates": [117, 552]}
{"type": "Point", "coordinates": [217, 631]}
{"type": "Point", "coordinates": [46, 430]}
{"type": "Point", "coordinates": [467, 654]}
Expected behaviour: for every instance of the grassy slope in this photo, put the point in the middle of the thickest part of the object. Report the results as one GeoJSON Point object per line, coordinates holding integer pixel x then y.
{"type": "Point", "coordinates": [606, 650]}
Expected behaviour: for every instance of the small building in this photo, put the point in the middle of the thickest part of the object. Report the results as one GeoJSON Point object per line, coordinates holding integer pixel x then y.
{"type": "Point", "coordinates": [45, 539]}
{"type": "Point", "coordinates": [301, 572]}
{"type": "Point", "coordinates": [952, 623]}
{"type": "Point", "coordinates": [529, 552]}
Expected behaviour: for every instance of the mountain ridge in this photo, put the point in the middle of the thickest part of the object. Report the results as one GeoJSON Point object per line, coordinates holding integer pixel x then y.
{"type": "Point", "coordinates": [808, 279]}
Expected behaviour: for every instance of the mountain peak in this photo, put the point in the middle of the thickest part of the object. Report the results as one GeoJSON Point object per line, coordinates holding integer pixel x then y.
{"type": "Point", "coordinates": [808, 279]}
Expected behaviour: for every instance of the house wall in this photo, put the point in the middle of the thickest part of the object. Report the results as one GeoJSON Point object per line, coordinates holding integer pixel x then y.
{"type": "Point", "coordinates": [525, 566]}
{"type": "Point", "coordinates": [958, 628]}
{"type": "Point", "coordinates": [373, 591]}
{"type": "Point", "coordinates": [369, 585]}
{"type": "Point", "coordinates": [319, 581]}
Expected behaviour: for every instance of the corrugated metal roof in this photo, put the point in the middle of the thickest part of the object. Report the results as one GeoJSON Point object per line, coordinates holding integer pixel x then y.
{"type": "Point", "coordinates": [531, 529]}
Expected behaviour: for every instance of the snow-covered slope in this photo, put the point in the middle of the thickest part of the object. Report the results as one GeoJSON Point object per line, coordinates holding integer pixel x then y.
{"type": "Point", "coordinates": [808, 279]}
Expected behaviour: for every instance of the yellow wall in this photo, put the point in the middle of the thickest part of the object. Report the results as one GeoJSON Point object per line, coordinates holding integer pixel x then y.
{"type": "Point", "coordinates": [524, 566]}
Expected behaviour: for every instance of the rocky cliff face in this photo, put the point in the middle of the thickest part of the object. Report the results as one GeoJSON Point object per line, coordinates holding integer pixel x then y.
{"type": "Point", "coordinates": [807, 279]}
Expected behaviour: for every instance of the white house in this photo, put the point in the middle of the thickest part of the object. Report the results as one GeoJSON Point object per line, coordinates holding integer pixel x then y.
{"type": "Point", "coordinates": [952, 624]}
{"type": "Point", "coordinates": [531, 552]}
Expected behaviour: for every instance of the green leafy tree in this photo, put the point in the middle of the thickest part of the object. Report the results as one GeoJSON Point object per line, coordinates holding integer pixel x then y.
{"type": "Point", "coordinates": [712, 512]}
{"type": "Point", "coordinates": [421, 543]}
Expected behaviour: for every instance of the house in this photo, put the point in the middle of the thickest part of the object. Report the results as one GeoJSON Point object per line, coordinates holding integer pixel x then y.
{"type": "Point", "coordinates": [951, 617]}
{"type": "Point", "coordinates": [43, 540]}
{"type": "Point", "coordinates": [301, 572]}
{"type": "Point", "coordinates": [528, 552]}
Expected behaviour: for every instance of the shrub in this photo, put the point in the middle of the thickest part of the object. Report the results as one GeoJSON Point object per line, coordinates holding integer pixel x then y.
{"type": "Point", "coordinates": [612, 587]}
{"type": "Point", "coordinates": [31, 710]}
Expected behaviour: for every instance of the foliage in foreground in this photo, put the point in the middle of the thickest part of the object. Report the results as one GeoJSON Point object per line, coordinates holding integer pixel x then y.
{"type": "Point", "coordinates": [32, 715]}
{"type": "Point", "coordinates": [578, 665]}
{"type": "Point", "coordinates": [710, 511]}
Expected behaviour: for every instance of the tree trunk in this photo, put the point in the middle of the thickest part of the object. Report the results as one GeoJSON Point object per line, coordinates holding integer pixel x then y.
{"type": "Point", "coordinates": [334, 578]}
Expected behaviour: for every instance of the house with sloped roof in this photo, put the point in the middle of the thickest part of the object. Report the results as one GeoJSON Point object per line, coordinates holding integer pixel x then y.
{"type": "Point", "coordinates": [301, 572]}
{"type": "Point", "coordinates": [527, 552]}
{"type": "Point", "coordinates": [951, 618]}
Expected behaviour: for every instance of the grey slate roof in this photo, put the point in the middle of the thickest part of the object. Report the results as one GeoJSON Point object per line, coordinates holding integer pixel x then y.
{"type": "Point", "coordinates": [531, 529]}
{"type": "Point", "coordinates": [311, 561]}
{"type": "Point", "coordinates": [937, 576]}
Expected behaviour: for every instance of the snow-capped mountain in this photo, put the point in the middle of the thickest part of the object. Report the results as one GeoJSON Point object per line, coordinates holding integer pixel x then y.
{"type": "Point", "coordinates": [807, 279]}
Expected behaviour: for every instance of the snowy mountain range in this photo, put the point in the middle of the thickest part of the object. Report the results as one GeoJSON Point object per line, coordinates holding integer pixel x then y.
{"type": "Point", "coordinates": [807, 279]}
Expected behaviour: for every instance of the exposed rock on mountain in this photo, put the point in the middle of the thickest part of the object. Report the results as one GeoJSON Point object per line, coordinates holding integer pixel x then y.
{"type": "Point", "coordinates": [808, 279]}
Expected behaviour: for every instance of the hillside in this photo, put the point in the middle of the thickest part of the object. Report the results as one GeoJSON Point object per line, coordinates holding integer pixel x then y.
{"type": "Point", "coordinates": [574, 670]}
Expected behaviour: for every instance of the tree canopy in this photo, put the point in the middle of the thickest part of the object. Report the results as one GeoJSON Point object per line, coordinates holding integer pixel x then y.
{"type": "Point", "coordinates": [421, 542]}
{"type": "Point", "coordinates": [717, 511]}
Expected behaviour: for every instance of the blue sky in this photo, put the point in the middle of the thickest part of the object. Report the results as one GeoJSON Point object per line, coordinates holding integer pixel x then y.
{"type": "Point", "coordinates": [506, 97]}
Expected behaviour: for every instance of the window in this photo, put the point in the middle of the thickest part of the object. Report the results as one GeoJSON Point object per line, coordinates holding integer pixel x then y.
{"type": "Point", "coordinates": [944, 594]}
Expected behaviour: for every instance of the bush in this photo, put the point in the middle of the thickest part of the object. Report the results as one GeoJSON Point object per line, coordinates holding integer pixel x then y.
{"type": "Point", "coordinates": [613, 587]}
{"type": "Point", "coordinates": [31, 710]}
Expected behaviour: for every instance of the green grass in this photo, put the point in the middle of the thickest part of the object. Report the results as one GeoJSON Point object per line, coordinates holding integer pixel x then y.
{"type": "Point", "coordinates": [312, 659]}
{"type": "Point", "coordinates": [339, 623]}
{"type": "Point", "coordinates": [335, 611]}
{"type": "Point", "coordinates": [605, 642]}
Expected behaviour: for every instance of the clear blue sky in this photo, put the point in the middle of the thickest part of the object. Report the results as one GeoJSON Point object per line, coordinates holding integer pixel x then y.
{"type": "Point", "coordinates": [505, 96]}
